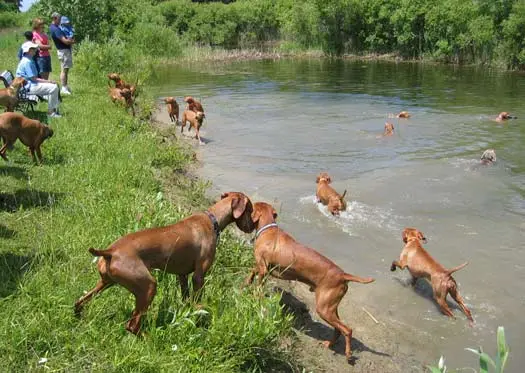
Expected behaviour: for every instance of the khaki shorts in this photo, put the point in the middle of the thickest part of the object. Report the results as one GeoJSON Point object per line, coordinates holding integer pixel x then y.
{"type": "Point", "coordinates": [65, 57]}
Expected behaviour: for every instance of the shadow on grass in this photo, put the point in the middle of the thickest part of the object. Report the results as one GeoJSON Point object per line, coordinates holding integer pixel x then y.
{"type": "Point", "coordinates": [6, 232]}
{"type": "Point", "coordinates": [27, 198]}
{"type": "Point", "coordinates": [14, 171]}
{"type": "Point", "coordinates": [304, 322]}
{"type": "Point", "coordinates": [12, 269]}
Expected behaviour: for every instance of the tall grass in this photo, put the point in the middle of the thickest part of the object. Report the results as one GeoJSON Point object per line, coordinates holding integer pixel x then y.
{"type": "Point", "coordinates": [102, 177]}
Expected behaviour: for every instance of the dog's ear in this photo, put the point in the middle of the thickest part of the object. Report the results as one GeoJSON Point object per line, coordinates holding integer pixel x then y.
{"type": "Point", "coordinates": [404, 235]}
{"type": "Point", "coordinates": [238, 206]}
{"type": "Point", "coordinates": [256, 215]}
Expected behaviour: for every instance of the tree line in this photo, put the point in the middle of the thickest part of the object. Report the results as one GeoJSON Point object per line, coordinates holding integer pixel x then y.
{"type": "Point", "coordinates": [486, 32]}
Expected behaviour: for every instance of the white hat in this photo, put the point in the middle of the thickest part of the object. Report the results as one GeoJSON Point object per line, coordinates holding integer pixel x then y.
{"type": "Point", "coordinates": [28, 45]}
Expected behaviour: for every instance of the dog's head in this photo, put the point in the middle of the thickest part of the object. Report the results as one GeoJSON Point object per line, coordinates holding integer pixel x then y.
{"type": "Point", "coordinates": [133, 90]}
{"type": "Point", "coordinates": [189, 100]}
{"type": "Point", "coordinates": [242, 210]}
{"type": "Point", "coordinates": [263, 210]}
{"type": "Point", "coordinates": [47, 132]}
{"type": "Point", "coordinates": [323, 176]}
{"type": "Point", "coordinates": [126, 93]}
{"type": "Point", "coordinates": [336, 204]}
{"type": "Point", "coordinates": [488, 156]}
{"type": "Point", "coordinates": [18, 82]}
{"type": "Point", "coordinates": [170, 100]}
{"type": "Point", "coordinates": [413, 233]}
{"type": "Point", "coordinates": [114, 76]}
{"type": "Point", "coordinates": [389, 129]}
{"type": "Point", "coordinates": [200, 116]}
{"type": "Point", "coordinates": [403, 114]}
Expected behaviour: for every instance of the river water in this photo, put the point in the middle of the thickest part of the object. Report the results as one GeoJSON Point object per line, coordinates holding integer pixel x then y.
{"type": "Point", "coordinates": [272, 126]}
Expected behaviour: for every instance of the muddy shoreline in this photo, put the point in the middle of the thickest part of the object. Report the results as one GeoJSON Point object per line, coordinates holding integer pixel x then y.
{"type": "Point", "coordinates": [386, 346]}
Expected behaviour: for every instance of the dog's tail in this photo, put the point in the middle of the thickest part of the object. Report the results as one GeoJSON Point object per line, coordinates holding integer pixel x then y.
{"type": "Point", "coordinates": [344, 194]}
{"type": "Point", "coordinates": [452, 270]}
{"type": "Point", "coordinates": [349, 277]}
{"type": "Point", "coordinates": [105, 253]}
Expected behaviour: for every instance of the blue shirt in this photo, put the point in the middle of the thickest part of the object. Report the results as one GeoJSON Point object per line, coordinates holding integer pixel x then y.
{"type": "Point", "coordinates": [21, 54]}
{"type": "Point", "coordinates": [27, 70]}
{"type": "Point", "coordinates": [56, 35]}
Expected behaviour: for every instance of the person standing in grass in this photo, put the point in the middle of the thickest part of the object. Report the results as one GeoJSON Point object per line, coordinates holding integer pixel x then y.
{"type": "Point", "coordinates": [35, 85]}
{"type": "Point", "coordinates": [43, 60]}
{"type": "Point", "coordinates": [63, 45]}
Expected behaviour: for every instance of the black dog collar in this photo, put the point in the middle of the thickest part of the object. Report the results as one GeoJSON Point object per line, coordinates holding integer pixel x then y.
{"type": "Point", "coordinates": [215, 223]}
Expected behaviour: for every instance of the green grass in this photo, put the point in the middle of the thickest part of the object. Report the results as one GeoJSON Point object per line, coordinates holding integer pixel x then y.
{"type": "Point", "coordinates": [106, 174]}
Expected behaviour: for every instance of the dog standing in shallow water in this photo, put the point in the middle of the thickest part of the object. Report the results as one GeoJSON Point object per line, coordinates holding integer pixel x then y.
{"type": "Point", "coordinates": [173, 109]}
{"type": "Point", "coordinates": [278, 254]}
{"type": "Point", "coordinates": [182, 248]}
{"type": "Point", "coordinates": [32, 133]}
{"type": "Point", "coordinates": [195, 119]}
{"type": "Point", "coordinates": [328, 196]}
{"type": "Point", "coordinates": [422, 265]}
{"type": "Point", "coordinates": [193, 104]}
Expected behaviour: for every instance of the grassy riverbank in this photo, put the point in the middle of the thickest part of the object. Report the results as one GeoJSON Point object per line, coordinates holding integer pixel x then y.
{"type": "Point", "coordinates": [106, 174]}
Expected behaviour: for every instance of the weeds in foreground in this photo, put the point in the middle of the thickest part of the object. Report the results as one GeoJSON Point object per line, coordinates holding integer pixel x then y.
{"type": "Point", "coordinates": [485, 361]}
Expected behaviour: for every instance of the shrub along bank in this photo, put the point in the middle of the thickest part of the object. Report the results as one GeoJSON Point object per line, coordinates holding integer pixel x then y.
{"type": "Point", "coordinates": [106, 174]}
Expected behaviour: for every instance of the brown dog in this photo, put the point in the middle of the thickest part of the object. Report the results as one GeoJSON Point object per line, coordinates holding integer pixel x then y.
{"type": "Point", "coordinates": [277, 253]}
{"type": "Point", "coordinates": [195, 119]}
{"type": "Point", "coordinates": [173, 109]}
{"type": "Point", "coordinates": [182, 248]}
{"type": "Point", "coordinates": [403, 115]}
{"type": "Point", "coordinates": [32, 133]}
{"type": "Point", "coordinates": [389, 129]}
{"type": "Point", "coordinates": [328, 196]}
{"type": "Point", "coordinates": [488, 157]}
{"type": "Point", "coordinates": [503, 116]}
{"type": "Point", "coordinates": [121, 84]}
{"type": "Point", "coordinates": [193, 104]}
{"type": "Point", "coordinates": [421, 264]}
{"type": "Point", "coordinates": [9, 95]}
{"type": "Point", "coordinates": [124, 96]}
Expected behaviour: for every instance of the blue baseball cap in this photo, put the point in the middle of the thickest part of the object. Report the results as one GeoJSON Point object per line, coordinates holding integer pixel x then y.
{"type": "Point", "coordinates": [64, 19]}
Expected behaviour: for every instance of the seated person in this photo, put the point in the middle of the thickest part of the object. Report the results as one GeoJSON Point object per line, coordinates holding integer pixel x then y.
{"type": "Point", "coordinates": [35, 85]}
{"type": "Point", "coordinates": [29, 37]}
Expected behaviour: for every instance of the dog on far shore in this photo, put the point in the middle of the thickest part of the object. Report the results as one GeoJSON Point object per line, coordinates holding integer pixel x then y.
{"type": "Point", "coordinates": [421, 265]}
{"type": "Point", "coordinates": [193, 105]}
{"type": "Point", "coordinates": [173, 109]}
{"type": "Point", "coordinates": [30, 132]}
{"type": "Point", "coordinates": [328, 196]}
{"type": "Point", "coordinates": [195, 119]}
{"type": "Point", "coordinates": [9, 95]}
